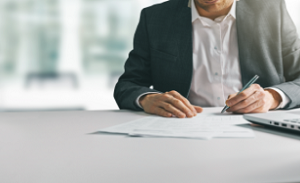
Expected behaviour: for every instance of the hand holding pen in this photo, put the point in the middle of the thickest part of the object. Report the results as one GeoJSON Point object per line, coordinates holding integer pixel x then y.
{"type": "Point", "coordinates": [244, 88]}
{"type": "Point", "coordinates": [253, 99]}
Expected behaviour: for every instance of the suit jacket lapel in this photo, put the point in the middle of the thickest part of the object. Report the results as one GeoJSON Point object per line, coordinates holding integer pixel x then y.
{"type": "Point", "coordinates": [244, 23]}
{"type": "Point", "coordinates": [183, 35]}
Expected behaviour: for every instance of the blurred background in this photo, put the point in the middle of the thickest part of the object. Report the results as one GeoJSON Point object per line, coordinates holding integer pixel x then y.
{"type": "Point", "coordinates": [68, 54]}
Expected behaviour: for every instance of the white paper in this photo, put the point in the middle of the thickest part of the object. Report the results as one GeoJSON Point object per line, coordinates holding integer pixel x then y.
{"type": "Point", "coordinates": [202, 127]}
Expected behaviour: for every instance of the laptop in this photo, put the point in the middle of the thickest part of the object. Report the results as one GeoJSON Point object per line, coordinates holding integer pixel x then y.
{"type": "Point", "coordinates": [284, 120]}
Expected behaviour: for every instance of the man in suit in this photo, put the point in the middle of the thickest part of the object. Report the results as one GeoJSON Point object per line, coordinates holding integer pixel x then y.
{"type": "Point", "coordinates": [192, 53]}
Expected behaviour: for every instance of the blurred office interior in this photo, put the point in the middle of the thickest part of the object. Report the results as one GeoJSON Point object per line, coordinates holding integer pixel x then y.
{"type": "Point", "coordinates": [68, 54]}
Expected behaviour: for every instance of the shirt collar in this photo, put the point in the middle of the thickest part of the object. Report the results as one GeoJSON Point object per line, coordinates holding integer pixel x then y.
{"type": "Point", "coordinates": [195, 14]}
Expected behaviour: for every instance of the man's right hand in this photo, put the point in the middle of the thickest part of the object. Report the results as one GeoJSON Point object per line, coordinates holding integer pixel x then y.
{"type": "Point", "coordinates": [169, 104]}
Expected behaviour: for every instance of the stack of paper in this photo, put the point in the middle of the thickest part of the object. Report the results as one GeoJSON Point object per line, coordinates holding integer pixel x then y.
{"type": "Point", "coordinates": [200, 127]}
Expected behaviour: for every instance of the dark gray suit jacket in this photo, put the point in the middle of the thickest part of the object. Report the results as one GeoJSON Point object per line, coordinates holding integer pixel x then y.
{"type": "Point", "coordinates": [162, 55]}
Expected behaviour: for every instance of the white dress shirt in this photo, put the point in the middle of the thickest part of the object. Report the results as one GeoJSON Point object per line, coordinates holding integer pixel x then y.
{"type": "Point", "coordinates": [216, 68]}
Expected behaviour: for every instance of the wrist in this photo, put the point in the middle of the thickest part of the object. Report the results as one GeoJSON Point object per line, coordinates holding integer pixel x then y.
{"type": "Point", "coordinates": [142, 100]}
{"type": "Point", "coordinates": [276, 98]}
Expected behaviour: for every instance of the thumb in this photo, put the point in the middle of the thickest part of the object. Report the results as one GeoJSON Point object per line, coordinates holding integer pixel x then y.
{"type": "Point", "coordinates": [231, 96]}
{"type": "Point", "coordinates": [198, 109]}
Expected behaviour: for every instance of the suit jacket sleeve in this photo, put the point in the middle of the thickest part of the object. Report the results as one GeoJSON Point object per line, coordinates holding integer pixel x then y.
{"type": "Point", "coordinates": [136, 79]}
{"type": "Point", "coordinates": [291, 59]}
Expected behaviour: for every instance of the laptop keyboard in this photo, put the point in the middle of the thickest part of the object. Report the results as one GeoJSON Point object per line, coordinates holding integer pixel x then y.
{"type": "Point", "coordinates": [293, 120]}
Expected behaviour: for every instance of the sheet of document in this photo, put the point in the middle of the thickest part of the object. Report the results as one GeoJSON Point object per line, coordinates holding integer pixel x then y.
{"type": "Point", "coordinates": [202, 127]}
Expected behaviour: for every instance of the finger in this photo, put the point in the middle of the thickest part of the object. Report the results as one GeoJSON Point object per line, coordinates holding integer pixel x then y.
{"type": "Point", "coordinates": [258, 95]}
{"type": "Point", "coordinates": [254, 107]}
{"type": "Point", "coordinates": [243, 95]}
{"type": "Point", "coordinates": [162, 112]}
{"type": "Point", "coordinates": [173, 110]}
{"type": "Point", "coordinates": [177, 95]}
{"type": "Point", "coordinates": [198, 109]}
{"type": "Point", "coordinates": [179, 105]}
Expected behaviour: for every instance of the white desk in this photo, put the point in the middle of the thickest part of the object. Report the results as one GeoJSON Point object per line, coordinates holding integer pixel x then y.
{"type": "Point", "coordinates": [61, 147]}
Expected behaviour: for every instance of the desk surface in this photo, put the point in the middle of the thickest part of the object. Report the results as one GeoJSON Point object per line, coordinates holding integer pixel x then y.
{"type": "Point", "coordinates": [64, 147]}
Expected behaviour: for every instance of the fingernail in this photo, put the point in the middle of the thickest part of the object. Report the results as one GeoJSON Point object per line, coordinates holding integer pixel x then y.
{"type": "Point", "coordinates": [228, 103]}
{"type": "Point", "coordinates": [182, 115]}
{"type": "Point", "coordinates": [190, 114]}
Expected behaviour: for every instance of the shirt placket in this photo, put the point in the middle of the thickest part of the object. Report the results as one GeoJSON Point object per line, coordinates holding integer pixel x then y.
{"type": "Point", "coordinates": [217, 65]}
{"type": "Point", "coordinates": [223, 31]}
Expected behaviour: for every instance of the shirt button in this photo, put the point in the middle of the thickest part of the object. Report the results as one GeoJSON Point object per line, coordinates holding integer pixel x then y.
{"type": "Point", "coordinates": [216, 73]}
{"type": "Point", "coordinates": [216, 48]}
{"type": "Point", "coordinates": [219, 98]}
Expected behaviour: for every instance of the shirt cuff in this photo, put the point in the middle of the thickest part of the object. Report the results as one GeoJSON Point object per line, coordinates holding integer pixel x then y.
{"type": "Point", "coordinates": [138, 98]}
{"type": "Point", "coordinates": [285, 98]}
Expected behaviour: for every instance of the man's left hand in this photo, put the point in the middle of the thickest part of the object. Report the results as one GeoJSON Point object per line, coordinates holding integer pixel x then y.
{"type": "Point", "coordinates": [254, 100]}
